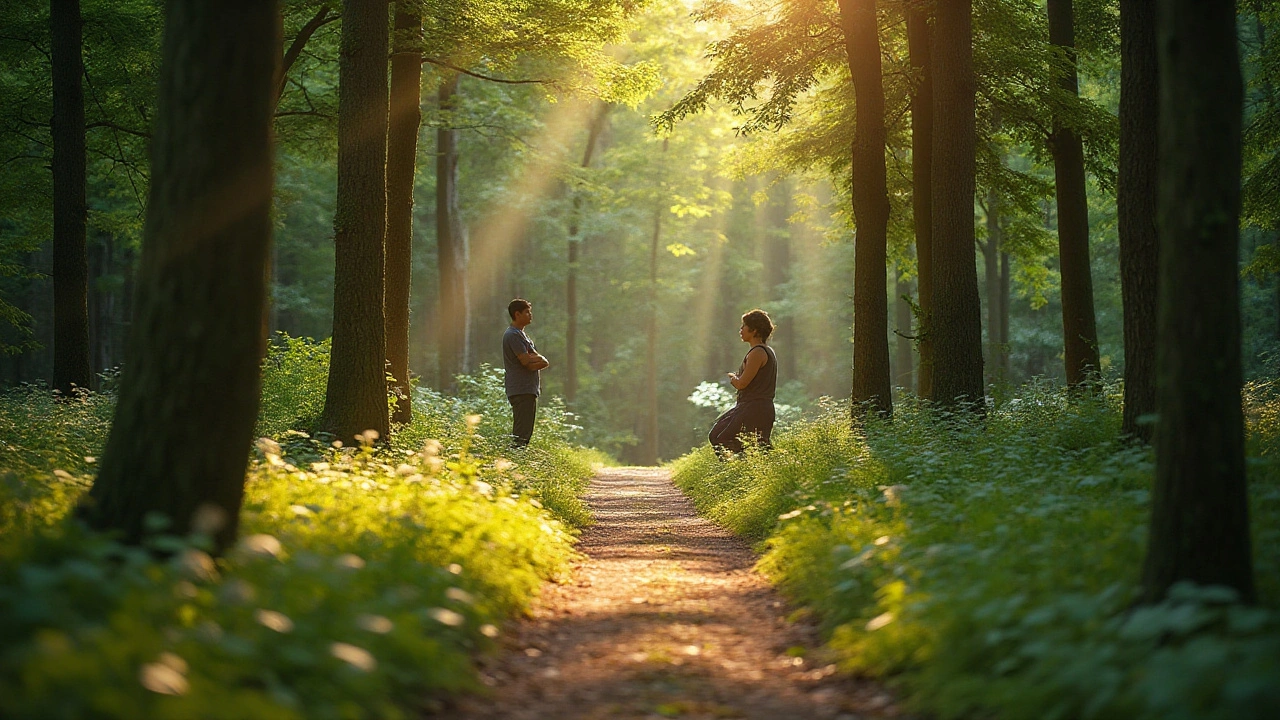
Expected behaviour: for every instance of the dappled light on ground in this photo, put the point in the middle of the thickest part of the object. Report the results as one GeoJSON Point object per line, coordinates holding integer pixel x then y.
{"type": "Point", "coordinates": [665, 618]}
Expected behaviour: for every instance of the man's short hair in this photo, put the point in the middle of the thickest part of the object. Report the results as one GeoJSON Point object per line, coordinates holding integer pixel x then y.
{"type": "Point", "coordinates": [758, 322]}
{"type": "Point", "coordinates": [517, 305]}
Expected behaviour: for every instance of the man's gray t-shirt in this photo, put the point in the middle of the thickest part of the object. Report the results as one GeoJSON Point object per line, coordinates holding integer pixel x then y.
{"type": "Point", "coordinates": [520, 380]}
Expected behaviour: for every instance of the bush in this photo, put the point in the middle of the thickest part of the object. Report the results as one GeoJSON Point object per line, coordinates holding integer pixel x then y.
{"type": "Point", "coordinates": [991, 567]}
{"type": "Point", "coordinates": [364, 581]}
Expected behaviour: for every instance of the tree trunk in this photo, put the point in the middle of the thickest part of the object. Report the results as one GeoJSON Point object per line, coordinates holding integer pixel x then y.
{"type": "Point", "coordinates": [919, 42]}
{"type": "Point", "coordinates": [189, 395]}
{"type": "Point", "coordinates": [777, 270]}
{"type": "Point", "coordinates": [995, 298]}
{"type": "Point", "coordinates": [871, 383]}
{"type": "Point", "coordinates": [1079, 324]}
{"type": "Point", "coordinates": [1136, 210]}
{"type": "Point", "coordinates": [1199, 528]}
{"type": "Point", "coordinates": [71, 366]}
{"type": "Point", "coordinates": [402, 156]}
{"type": "Point", "coordinates": [356, 399]}
{"type": "Point", "coordinates": [1004, 316]}
{"type": "Point", "coordinates": [651, 334]}
{"type": "Point", "coordinates": [452, 249]}
{"type": "Point", "coordinates": [571, 281]}
{"type": "Point", "coordinates": [956, 321]}
{"type": "Point", "coordinates": [903, 356]}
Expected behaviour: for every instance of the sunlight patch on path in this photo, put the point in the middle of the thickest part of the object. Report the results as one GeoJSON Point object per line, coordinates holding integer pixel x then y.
{"type": "Point", "coordinates": [664, 618]}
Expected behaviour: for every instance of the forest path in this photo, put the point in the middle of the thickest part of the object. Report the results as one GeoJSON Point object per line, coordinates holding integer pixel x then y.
{"type": "Point", "coordinates": [664, 618]}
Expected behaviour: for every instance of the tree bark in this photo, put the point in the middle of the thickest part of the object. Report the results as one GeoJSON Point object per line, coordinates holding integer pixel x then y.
{"type": "Point", "coordinates": [452, 247]}
{"type": "Point", "coordinates": [871, 382]}
{"type": "Point", "coordinates": [571, 280]}
{"type": "Point", "coordinates": [919, 42]}
{"type": "Point", "coordinates": [71, 366]}
{"type": "Point", "coordinates": [1199, 528]}
{"type": "Point", "coordinates": [189, 395]}
{"type": "Point", "coordinates": [651, 333]}
{"type": "Point", "coordinates": [777, 270]}
{"type": "Point", "coordinates": [356, 398]}
{"type": "Point", "coordinates": [1004, 316]}
{"type": "Point", "coordinates": [402, 156]}
{"type": "Point", "coordinates": [1136, 209]}
{"type": "Point", "coordinates": [903, 374]}
{"type": "Point", "coordinates": [1079, 324]}
{"type": "Point", "coordinates": [956, 321]}
{"type": "Point", "coordinates": [995, 298]}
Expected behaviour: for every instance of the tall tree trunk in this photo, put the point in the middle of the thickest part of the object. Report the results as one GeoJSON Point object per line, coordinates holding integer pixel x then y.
{"type": "Point", "coordinates": [189, 395]}
{"type": "Point", "coordinates": [777, 267]}
{"type": "Point", "coordinates": [571, 281]}
{"type": "Point", "coordinates": [1004, 316]}
{"type": "Point", "coordinates": [402, 156]}
{"type": "Point", "coordinates": [956, 321]}
{"type": "Point", "coordinates": [651, 335]}
{"type": "Point", "coordinates": [356, 398]}
{"type": "Point", "coordinates": [1199, 528]}
{"type": "Point", "coordinates": [995, 298]}
{"type": "Point", "coordinates": [1079, 324]}
{"type": "Point", "coordinates": [451, 245]}
{"type": "Point", "coordinates": [871, 383]}
{"type": "Point", "coordinates": [1136, 210]}
{"type": "Point", "coordinates": [919, 44]}
{"type": "Point", "coordinates": [71, 367]}
{"type": "Point", "coordinates": [903, 355]}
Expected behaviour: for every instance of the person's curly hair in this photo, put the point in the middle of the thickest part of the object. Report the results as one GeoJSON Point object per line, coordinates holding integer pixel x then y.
{"type": "Point", "coordinates": [758, 322]}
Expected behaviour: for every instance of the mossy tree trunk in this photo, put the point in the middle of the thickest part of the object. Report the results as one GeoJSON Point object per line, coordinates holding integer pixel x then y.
{"type": "Point", "coordinates": [1079, 323]}
{"type": "Point", "coordinates": [189, 394]}
{"type": "Point", "coordinates": [919, 44]}
{"type": "Point", "coordinates": [871, 383]}
{"type": "Point", "coordinates": [955, 322]}
{"type": "Point", "coordinates": [1136, 210]}
{"type": "Point", "coordinates": [71, 366]}
{"type": "Point", "coordinates": [356, 396]}
{"type": "Point", "coordinates": [1199, 529]}
{"type": "Point", "coordinates": [402, 155]}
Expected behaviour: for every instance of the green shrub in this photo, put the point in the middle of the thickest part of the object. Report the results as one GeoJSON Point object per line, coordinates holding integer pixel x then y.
{"type": "Point", "coordinates": [365, 580]}
{"type": "Point", "coordinates": [294, 375]}
{"type": "Point", "coordinates": [992, 567]}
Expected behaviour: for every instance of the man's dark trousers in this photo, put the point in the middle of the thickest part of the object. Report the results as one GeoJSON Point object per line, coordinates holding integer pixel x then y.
{"type": "Point", "coordinates": [523, 410]}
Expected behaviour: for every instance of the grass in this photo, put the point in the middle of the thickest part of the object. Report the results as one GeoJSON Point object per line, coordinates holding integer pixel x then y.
{"type": "Point", "coordinates": [364, 582]}
{"type": "Point", "coordinates": [990, 568]}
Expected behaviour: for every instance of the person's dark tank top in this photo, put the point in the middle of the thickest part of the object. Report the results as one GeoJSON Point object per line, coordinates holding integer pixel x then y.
{"type": "Point", "coordinates": [765, 383]}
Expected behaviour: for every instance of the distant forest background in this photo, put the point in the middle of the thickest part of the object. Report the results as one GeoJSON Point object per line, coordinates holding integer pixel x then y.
{"type": "Point", "coordinates": [698, 224]}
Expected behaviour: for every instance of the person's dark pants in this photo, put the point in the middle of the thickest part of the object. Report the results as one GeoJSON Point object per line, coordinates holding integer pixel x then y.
{"type": "Point", "coordinates": [754, 417]}
{"type": "Point", "coordinates": [523, 409]}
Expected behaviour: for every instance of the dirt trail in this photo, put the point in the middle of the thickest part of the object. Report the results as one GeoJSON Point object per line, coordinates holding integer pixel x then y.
{"type": "Point", "coordinates": [664, 618]}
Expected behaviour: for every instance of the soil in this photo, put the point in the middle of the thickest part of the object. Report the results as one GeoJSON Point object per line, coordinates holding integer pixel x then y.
{"type": "Point", "coordinates": [664, 617]}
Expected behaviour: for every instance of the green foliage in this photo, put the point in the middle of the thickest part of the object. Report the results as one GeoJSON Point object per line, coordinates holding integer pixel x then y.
{"type": "Point", "coordinates": [991, 568]}
{"type": "Point", "coordinates": [364, 580]}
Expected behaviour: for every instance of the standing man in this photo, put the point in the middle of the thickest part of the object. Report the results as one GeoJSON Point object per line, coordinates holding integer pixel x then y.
{"type": "Point", "coordinates": [522, 362]}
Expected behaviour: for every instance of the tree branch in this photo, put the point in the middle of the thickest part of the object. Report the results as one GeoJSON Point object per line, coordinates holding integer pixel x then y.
{"type": "Point", "coordinates": [319, 20]}
{"type": "Point", "coordinates": [464, 71]}
{"type": "Point", "coordinates": [120, 128]}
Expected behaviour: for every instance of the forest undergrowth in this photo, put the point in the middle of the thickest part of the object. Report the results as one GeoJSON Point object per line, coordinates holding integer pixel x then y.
{"type": "Point", "coordinates": [990, 569]}
{"type": "Point", "coordinates": [366, 577]}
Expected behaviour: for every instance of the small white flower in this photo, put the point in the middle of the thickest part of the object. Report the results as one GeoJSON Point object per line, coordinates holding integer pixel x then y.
{"type": "Point", "coordinates": [273, 620]}
{"type": "Point", "coordinates": [446, 617]}
{"type": "Point", "coordinates": [356, 657]}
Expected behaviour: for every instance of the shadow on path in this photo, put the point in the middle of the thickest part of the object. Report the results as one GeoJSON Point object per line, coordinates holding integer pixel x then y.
{"type": "Point", "coordinates": [664, 618]}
